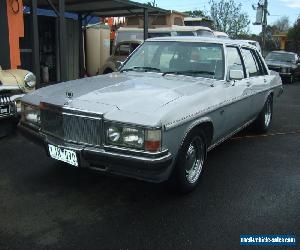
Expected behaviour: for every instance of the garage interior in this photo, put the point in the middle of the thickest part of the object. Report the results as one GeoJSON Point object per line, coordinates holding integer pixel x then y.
{"type": "Point", "coordinates": [55, 43]}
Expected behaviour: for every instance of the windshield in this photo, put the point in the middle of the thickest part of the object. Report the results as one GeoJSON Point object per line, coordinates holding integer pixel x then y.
{"type": "Point", "coordinates": [186, 58]}
{"type": "Point", "coordinates": [282, 57]}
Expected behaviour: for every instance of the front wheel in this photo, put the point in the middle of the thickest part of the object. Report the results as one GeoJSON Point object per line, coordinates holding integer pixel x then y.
{"type": "Point", "coordinates": [264, 120]}
{"type": "Point", "coordinates": [190, 162]}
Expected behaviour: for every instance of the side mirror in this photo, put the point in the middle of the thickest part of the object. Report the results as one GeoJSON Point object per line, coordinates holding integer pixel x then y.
{"type": "Point", "coordinates": [236, 74]}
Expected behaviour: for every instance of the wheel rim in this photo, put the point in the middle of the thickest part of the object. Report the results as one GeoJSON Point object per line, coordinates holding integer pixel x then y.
{"type": "Point", "coordinates": [268, 113]}
{"type": "Point", "coordinates": [194, 160]}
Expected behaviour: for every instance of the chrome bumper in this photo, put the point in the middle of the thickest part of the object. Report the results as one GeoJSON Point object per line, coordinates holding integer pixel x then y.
{"type": "Point", "coordinates": [149, 167]}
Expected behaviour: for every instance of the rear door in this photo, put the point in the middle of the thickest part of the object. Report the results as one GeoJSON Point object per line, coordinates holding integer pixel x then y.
{"type": "Point", "coordinates": [237, 92]}
{"type": "Point", "coordinates": [258, 79]}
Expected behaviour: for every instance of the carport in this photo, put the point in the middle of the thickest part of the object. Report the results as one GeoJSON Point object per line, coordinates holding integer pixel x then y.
{"type": "Point", "coordinates": [84, 9]}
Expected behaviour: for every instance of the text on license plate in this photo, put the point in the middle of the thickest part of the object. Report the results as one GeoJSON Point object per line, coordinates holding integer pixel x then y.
{"type": "Point", "coordinates": [62, 154]}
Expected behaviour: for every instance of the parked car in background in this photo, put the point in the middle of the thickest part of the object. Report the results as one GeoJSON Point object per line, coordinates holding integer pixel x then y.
{"type": "Point", "coordinates": [220, 34]}
{"type": "Point", "coordinates": [129, 34]}
{"type": "Point", "coordinates": [7, 112]}
{"type": "Point", "coordinates": [287, 64]}
{"type": "Point", "coordinates": [172, 101]}
{"type": "Point", "coordinates": [119, 55]}
{"type": "Point", "coordinates": [14, 84]}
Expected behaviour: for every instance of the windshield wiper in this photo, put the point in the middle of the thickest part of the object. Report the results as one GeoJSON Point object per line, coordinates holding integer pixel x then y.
{"type": "Point", "coordinates": [187, 72]}
{"type": "Point", "coordinates": [137, 68]}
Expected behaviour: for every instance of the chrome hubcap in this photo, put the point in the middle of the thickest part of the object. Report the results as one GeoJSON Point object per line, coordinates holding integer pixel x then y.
{"type": "Point", "coordinates": [194, 160]}
{"type": "Point", "coordinates": [268, 114]}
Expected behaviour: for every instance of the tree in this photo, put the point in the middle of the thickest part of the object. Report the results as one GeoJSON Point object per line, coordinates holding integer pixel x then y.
{"type": "Point", "coordinates": [228, 17]}
{"type": "Point", "coordinates": [294, 36]}
{"type": "Point", "coordinates": [153, 3]}
{"type": "Point", "coordinates": [195, 13]}
{"type": "Point", "coordinates": [282, 24]}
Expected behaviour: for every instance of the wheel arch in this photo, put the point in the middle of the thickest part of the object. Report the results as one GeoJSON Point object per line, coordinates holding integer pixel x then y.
{"type": "Point", "coordinates": [206, 125]}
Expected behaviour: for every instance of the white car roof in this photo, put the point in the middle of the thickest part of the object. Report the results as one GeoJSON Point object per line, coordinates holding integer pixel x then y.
{"type": "Point", "coordinates": [220, 33]}
{"type": "Point", "coordinates": [166, 29]}
{"type": "Point", "coordinates": [203, 39]}
{"type": "Point", "coordinates": [283, 52]}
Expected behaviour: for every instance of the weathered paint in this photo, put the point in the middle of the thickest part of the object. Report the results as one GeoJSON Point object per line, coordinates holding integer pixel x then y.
{"type": "Point", "coordinates": [15, 30]}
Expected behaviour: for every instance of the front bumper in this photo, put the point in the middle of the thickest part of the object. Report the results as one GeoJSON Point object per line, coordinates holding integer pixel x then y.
{"type": "Point", "coordinates": [153, 167]}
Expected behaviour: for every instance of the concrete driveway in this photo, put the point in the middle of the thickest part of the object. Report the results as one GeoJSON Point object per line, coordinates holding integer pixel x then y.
{"type": "Point", "coordinates": [251, 186]}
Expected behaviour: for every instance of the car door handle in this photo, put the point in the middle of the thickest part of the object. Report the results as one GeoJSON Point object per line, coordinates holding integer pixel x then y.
{"type": "Point", "coordinates": [248, 84]}
{"type": "Point", "coordinates": [265, 80]}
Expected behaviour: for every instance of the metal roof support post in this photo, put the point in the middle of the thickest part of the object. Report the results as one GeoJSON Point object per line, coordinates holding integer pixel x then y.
{"type": "Point", "coordinates": [81, 50]}
{"type": "Point", "coordinates": [35, 41]}
{"type": "Point", "coordinates": [62, 41]}
{"type": "Point", "coordinates": [146, 22]}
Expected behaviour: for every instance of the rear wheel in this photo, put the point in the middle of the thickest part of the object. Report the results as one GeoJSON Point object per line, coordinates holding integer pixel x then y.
{"type": "Point", "coordinates": [264, 120]}
{"type": "Point", "coordinates": [190, 162]}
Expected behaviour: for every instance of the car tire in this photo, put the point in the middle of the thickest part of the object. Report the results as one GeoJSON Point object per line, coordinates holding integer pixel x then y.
{"type": "Point", "coordinates": [264, 120]}
{"type": "Point", "coordinates": [190, 162]}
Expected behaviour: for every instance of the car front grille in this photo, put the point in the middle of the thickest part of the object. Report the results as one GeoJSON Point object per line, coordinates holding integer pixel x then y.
{"type": "Point", "coordinates": [71, 127]}
{"type": "Point", "coordinates": [5, 99]}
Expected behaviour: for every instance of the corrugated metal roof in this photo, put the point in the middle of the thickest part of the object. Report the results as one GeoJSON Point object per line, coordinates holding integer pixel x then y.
{"type": "Point", "coordinates": [102, 8]}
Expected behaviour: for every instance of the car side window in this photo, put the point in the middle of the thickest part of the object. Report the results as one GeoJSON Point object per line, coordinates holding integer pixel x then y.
{"type": "Point", "coordinates": [251, 63]}
{"type": "Point", "coordinates": [234, 59]}
{"type": "Point", "coordinates": [262, 67]}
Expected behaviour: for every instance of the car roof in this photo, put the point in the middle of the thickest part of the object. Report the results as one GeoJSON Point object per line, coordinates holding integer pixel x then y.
{"type": "Point", "coordinates": [220, 33]}
{"type": "Point", "coordinates": [166, 29]}
{"type": "Point", "coordinates": [283, 52]}
{"type": "Point", "coordinates": [202, 39]}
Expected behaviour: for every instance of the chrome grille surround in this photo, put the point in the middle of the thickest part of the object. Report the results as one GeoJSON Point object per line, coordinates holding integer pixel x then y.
{"type": "Point", "coordinates": [6, 103]}
{"type": "Point", "coordinates": [5, 99]}
{"type": "Point", "coordinates": [72, 125]}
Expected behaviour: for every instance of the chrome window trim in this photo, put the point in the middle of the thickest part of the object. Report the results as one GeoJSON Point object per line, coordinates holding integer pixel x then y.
{"type": "Point", "coordinates": [206, 111]}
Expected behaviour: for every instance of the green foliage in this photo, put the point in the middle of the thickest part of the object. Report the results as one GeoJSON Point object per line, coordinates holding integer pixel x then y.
{"type": "Point", "coordinates": [195, 13]}
{"type": "Point", "coordinates": [229, 18]}
{"type": "Point", "coordinates": [294, 36]}
{"type": "Point", "coordinates": [294, 32]}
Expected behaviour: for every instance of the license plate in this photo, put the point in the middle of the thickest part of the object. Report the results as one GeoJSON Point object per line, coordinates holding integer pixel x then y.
{"type": "Point", "coordinates": [62, 154]}
{"type": "Point", "coordinates": [4, 110]}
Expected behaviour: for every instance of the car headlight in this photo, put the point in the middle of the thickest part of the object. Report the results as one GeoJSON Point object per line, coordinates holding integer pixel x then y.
{"type": "Point", "coordinates": [30, 80]}
{"type": "Point", "coordinates": [31, 114]}
{"type": "Point", "coordinates": [133, 137]}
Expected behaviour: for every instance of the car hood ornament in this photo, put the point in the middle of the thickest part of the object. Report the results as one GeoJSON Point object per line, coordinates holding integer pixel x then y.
{"type": "Point", "coordinates": [69, 95]}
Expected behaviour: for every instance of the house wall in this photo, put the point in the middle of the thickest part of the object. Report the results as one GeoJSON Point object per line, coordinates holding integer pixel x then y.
{"type": "Point", "coordinates": [156, 20]}
{"type": "Point", "coordinates": [15, 29]}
